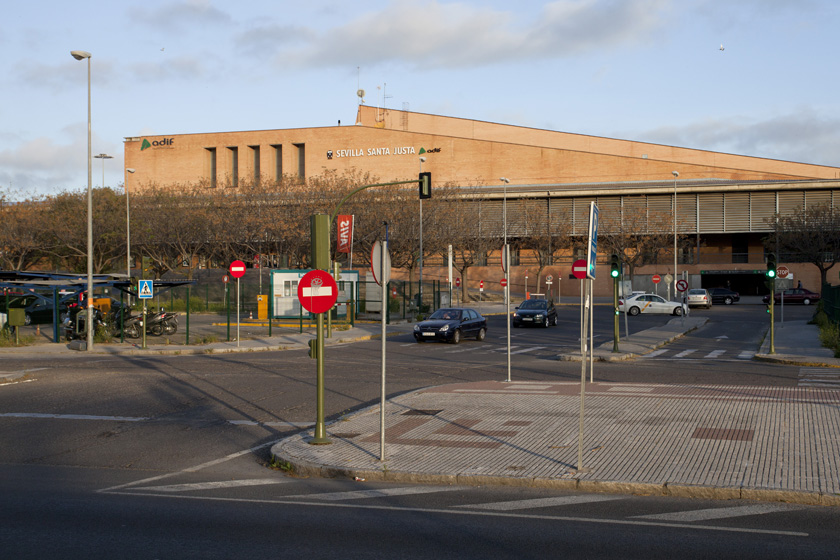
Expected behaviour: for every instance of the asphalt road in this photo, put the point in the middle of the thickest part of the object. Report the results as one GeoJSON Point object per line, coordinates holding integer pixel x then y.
{"type": "Point", "coordinates": [166, 457]}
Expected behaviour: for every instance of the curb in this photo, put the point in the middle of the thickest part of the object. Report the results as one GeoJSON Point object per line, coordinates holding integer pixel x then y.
{"type": "Point", "coordinates": [305, 468]}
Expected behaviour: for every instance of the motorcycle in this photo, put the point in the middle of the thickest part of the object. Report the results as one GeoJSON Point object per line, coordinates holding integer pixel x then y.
{"type": "Point", "coordinates": [161, 322]}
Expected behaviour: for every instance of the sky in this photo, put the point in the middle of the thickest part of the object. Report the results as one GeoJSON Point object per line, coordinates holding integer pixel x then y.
{"type": "Point", "coordinates": [750, 77]}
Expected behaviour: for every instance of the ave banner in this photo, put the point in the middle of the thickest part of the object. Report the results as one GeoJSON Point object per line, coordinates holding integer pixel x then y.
{"type": "Point", "coordinates": [345, 234]}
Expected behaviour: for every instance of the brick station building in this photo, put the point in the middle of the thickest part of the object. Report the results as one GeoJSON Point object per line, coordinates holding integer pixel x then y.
{"type": "Point", "coordinates": [723, 200]}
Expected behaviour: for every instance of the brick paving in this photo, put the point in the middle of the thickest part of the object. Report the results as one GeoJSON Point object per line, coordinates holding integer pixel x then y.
{"type": "Point", "coordinates": [780, 443]}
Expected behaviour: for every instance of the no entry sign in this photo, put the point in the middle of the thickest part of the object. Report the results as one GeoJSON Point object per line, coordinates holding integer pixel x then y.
{"type": "Point", "coordinates": [317, 291]}
{"type": "Point", "coordinates": [656, 279]}
{"type": "Point", "coordinates": [237, 269]}
{"type": "Point", "coordinates": [579, 269]}
{"type": "Point", "coordinates": [503, 282]}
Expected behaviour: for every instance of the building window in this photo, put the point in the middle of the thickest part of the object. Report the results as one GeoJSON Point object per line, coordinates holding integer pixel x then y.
{"type": "Point", "coordinates": [211, 166]}
{"type": "Point", "coordinates": [255, 151]}
{"type": "Point", "coordinates": [234, 166]}
{"type": "Point", "coordinates": [278, 161]}
{"type": "Point", "coordinates": [301, 160]}
{"type": "Point", "coordinates": [740, 248]}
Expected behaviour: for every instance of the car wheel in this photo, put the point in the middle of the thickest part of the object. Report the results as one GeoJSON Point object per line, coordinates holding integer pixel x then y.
{"type": "Point", "coordinates": [634, 311]}
{"type": "Point", "coordinates": [418, 338]}
{"type": "Point", "coordinates": [27, 319]}
{"type": "Point", "coordinates": [805, 301]}
{"type": "Point", "coordinates": [554, 321]}
{"type": "Point", "coordinates": [728, 301]}
{"type": "Point", "coordinates": [456, 336]}
{"type": "Point", "coordinates": [482, 334]}
{"type": "Point", "coordinates": [678, 311]}
{"type": "Point", "coordinates": [545, 322]}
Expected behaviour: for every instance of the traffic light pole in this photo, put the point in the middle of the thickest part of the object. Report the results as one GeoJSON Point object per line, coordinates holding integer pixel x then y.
{"type": "Point", "coordinates": [615, 315]}
{"type": "Point", "coordinates": [772, 318]}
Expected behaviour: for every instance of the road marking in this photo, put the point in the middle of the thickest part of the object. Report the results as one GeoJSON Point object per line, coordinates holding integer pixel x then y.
{"type": "Point", "coordinates": [216, 485]}
{"type": "Point", "coordinates": [280, 424]}
{"type": "Point", "coordinates": [685, 353]}
{"type": "Point", "coordinates": [383, 493]}
{"type": "Point", "coordinates": [542, 502]}
{"type": "Point", "coordinates": [746, 355]}
{"type": "Point", "coordinates": [718, 513]}
{"type": "Point", "coordinates": [531, 349]}
{"type": "Point", "coordinates": [819, 377]}
{"type": "Point", "coordinates": [714, 353]}
{"type": "Point", "coordinates": [656, 353]}
{"type": "Point", "coordinates": [73, 417]}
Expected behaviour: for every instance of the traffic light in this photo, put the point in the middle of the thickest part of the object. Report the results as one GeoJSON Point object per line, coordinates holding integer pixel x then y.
{"type": "Point", "coordinates": [771, 265]}
{"type": "Point", "coordinates": [425, 180]}
{"type": "Point", "coordinates": [313, 348]}
{"type": "Point", "coordinates": [615, 266]}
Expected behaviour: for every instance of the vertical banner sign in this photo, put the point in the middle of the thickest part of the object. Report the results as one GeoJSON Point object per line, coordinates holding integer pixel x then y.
{"type": "Point", "coordinates": [345, 233]}
{"type": "Point", "coordinates": [592, 253]}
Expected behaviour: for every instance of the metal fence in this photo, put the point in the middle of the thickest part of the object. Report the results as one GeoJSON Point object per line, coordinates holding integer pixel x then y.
{"type": "Point", "coordinates": [831, 302]}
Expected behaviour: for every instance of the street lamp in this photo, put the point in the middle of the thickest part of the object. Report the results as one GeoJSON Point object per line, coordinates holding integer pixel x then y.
{"type": "Point", "coordinates": [420, 287]}
{"type": "Point", "coordinates": [81, 55]}
{"type": "Point", "coordinates": [103, 157]}
{"type": "Point", "coordinates": [128, 233]}
{"type": "Point", "coordinates": [675, 174]}
{"type": "Point", "coordinates": [506, 260]}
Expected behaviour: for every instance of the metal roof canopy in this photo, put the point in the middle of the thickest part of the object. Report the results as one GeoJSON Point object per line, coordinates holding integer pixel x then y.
{"type": "Point", "coordinates": [76, 283]}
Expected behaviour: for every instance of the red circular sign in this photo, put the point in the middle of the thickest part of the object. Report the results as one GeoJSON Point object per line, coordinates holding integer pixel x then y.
{"type": "Point", "coordinates": [656, 279]}
{"type": "Point", "coordinates": [225, 278]}
{"type": "Point", "coordinates": [317, 291]}
{"type": "Point", "coordinates": [237, 269]}
{"type": "Point", "coordinates": [503, 282]}
{"type": "Point", "coordinates": [579, 269]}
{"type": "Point", "coordinates": [682, 285]}
{"type": "Point", "coordinates": [481, 284]}
{"type": "Point", "coordinates": [457, 282]}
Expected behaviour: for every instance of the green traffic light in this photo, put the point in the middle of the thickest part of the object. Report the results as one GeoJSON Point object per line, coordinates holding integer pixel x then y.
{"type": "Point", "coordinates": [614, 273]}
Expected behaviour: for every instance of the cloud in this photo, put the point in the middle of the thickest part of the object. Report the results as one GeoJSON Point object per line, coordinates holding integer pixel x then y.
{"type": "Point", "coordinates": [803, 136]}
{"type": "Point", "coordinates": [459, 35]}
{"type": "Point", "coordinates": [188, 14]}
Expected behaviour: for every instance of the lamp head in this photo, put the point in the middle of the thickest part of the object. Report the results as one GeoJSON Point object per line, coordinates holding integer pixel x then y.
{"type": "Point", "coordinates": [130, 169]}
{"type": "Point", "coordinates": [504, 180]}
{"type": "Point", "coordinates": [79, 55]}
{"type": "Point", "coordinates": [422, 159]}
{"type": "Point", "coordinates": [675, 174]}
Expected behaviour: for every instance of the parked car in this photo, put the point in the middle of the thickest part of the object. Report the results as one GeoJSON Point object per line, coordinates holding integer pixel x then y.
{"type": "Point", "coordinates": [651, 303]}
{"type": "Point", "coordinates": [794, 295]}
{"type": "Point", "coordinates": [724, 296]}
{"type": "Point", "coordinates": [535, 312]}
{"type": "Point", "coordinates": [39, 311]}
{"type": "Point", "coordinates": [451, 324]}
{"type": "Point", "coordinates": [699, 297]}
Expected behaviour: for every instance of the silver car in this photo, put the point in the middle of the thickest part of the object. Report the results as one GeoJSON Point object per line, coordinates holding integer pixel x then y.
{"type": "Point", "coordinates": [651, 303]}
{"type": "Point", "coordinates": [698, 297]}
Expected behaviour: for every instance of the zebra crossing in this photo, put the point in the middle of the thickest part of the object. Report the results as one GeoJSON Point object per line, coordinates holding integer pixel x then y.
{"type": "Point", "coordinates": [559, 506]}
{"type": "Point", "coordinates": [698, 354]}
{"type": "Point", "coordinates": [819, 377]}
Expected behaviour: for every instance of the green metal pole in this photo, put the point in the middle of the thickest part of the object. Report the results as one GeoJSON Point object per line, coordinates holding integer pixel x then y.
{"type": "Point", "coordinates": [320, 427]}
{"type": "Point", "coordinates": [270, 301]}
{"type": "Point", "coordinates": [615, 315]}
{"type": "Point", "coordinates": [188, 316]}
{"type": "Point", "coordinates": [122, 318]}
{"type": "Point", "coordinates": [772, 319]}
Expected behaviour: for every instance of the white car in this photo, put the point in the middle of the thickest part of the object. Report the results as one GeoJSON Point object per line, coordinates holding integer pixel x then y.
{"type": "Point", "coordinates": [651, 303]}
{"type": "Point", "coordinates": [698, 297]}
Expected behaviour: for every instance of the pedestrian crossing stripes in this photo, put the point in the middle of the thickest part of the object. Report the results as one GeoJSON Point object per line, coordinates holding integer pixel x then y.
{"type": "Point", "coordinates": [381, 493]}
{"type": "Point", "coordinates": [718, 513]}
{"type": "Point", "coordinates": [542, 502]}
{"type": "Point", "coordinates": [697, 354]}
{"type": "Point", "coordinates": [819, 377]}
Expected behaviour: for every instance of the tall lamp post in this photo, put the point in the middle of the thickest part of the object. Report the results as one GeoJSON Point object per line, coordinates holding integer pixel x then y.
{"type": "Point", "coordinates": [675, 174]}
{"type": "Point", "coordinates": [128, 233]}
{"type": "Point", "coordinates": [103, 157]}
{"type": "Point", "coordinates": [506, 260]}
{"type": "Point", "coordinates": [420, 286]}
{"type": "Point", "coordinates": [81, 55]}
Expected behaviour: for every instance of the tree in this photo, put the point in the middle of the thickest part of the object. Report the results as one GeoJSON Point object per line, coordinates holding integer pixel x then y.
{"type": "Point", "coordinates": [22, 234]}
{"type": "Point", "coordinates": [809, 235]}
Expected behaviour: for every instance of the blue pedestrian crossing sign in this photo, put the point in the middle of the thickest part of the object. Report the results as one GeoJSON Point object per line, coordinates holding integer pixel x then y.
{"type": "Point", "coordinates": [145, 289]}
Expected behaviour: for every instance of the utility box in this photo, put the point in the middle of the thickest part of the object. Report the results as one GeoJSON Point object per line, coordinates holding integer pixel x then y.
{"type": "Point", "coordinates": [262, 307]}
{"type": "Point", "coordinates": [17, 317]}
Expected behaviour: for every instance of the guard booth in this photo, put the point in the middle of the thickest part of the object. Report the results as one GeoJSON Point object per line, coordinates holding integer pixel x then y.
{"type": "Point", "coordinates": [284, 289]}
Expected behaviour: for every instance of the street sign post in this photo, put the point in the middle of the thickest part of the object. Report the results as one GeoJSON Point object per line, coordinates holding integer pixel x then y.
{"type": "Point", "coordinates": [317, 291]}
{"type": "Point", "coordinates": [682, 285]}
{"type": "Point", "coordinates": [782, 271]}
{"type": "Point", "coordinates": [237, 270]}
{"type": "Point", "coordinates": [656, 279]}
{"type": "Point", "coordinates": [579, 269]}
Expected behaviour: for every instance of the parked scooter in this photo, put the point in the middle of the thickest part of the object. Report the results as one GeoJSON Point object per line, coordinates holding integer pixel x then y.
{"type": "Point", "coordinates": [161, 322]}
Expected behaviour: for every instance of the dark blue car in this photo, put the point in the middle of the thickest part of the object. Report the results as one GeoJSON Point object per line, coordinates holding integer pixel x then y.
{"type": "Point", "coordinates": [451, 324]}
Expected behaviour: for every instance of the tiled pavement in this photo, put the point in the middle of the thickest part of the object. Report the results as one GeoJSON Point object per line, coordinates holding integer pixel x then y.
{"type": "Point", "coordinates": [772, 443]}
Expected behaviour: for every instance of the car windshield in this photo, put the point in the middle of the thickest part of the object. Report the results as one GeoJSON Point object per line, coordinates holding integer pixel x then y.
{"type": "Point", "coordinates": [446, 314]}
{"type": "Point", "coordinates": [533, 304]}
{"type": "Point", "coordinates": [696, 292]}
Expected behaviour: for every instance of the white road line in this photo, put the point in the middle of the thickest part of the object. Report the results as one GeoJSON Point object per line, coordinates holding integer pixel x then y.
{"type": "Point", "coordinates": [746, 355]}
{"type": "Point", "coordinates": [718, 513]}
{"type": "Point", "coordinates": [531, 349]}
{"type": "Point", "coordinates": [656, 353]}
{"type": "Point", "coordinates": [73, 417]}
{"type": "Point", "coordinates": [819, 377]}
{"type": "Point", "coordinates": [685, 353]}
{"type": "Point", "coordinates": [366, 494]}
{"type": "Point", "coordinates": [542, 502]}
{"type": "Point", "coordinates": [714, 353]}
{"type": "Point", "coordinates": [215, 485]}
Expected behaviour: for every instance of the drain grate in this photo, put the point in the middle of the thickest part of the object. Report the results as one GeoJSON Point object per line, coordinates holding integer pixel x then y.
{"type": "Point", "coordinates": [416, 412]}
